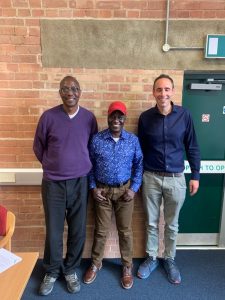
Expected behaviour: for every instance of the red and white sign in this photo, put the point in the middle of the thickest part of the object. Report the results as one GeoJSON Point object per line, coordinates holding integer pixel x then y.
{"type": "Point", "coordinates": [205, 118]}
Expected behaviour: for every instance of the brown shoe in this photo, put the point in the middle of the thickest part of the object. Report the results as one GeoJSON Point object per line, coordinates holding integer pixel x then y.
{"type": "Point", "coordinates": [127, 278]}
{"type": "Point", "coordinates": [91, 273]}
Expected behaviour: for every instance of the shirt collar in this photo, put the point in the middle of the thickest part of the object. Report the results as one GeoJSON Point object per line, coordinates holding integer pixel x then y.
{"type": "Point", "coordinates": [174, 108]}
{"type": "Point", "coordinates": [108, 135]}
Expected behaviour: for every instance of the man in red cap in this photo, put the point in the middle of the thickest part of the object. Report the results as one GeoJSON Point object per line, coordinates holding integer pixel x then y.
{"type": "Point", "coordinates": [116, 177]}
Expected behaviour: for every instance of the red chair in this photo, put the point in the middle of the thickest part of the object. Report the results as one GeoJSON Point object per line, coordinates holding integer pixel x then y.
{"type": "Point", "coordinates": [7, 227]}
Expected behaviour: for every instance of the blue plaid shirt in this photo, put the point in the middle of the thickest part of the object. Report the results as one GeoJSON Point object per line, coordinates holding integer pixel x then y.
{"type": "Point", "coordinates": [116, 162]}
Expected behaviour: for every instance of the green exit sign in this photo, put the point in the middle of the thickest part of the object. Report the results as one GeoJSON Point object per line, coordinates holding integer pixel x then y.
{"type": "Point", "coordinates": [215, 46]}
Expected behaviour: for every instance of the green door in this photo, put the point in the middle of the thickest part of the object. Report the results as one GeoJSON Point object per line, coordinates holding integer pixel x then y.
{"type": "Point", "coordinates": [204, 96]}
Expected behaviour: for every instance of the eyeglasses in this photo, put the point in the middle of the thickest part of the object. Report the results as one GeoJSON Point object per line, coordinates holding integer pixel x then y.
{"type": "Point", "coordinates": [66, 89]}
{"type": "Point", "coordinates": [115, 117]}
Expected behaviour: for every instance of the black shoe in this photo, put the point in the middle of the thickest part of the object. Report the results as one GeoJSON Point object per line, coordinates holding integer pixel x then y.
{"type": "Point", "coordinates": [172, 270]}
{"type": "Point", "coordinates": [73, 283]}
{"type": "Point", "coordinates": [47, 285]}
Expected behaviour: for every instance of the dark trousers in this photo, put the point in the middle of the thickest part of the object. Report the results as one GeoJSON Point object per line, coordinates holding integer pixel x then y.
{"type": "Point", "coordinates": [64, 200]}
{"type": "Point", "coordinates": [123, 214]}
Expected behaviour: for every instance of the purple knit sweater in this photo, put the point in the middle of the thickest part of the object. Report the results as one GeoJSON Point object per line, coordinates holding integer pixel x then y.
{"type": "Point", "coordinates": [61, 143]}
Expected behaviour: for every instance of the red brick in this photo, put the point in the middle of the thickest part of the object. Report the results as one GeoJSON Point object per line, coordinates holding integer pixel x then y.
{"type": "Point", "coordinates": [26, 157]}
{"type": "Point", "coordinates": [5, 3]}
{"type": "Point", "coordinates": [32, 22]}
{"type": "Point", "coordinates": [20, 3]}
{"type": "Point", "coordinates": [119, 13]}
{"type": "Point", "coordinates": [209, 14]}
{"type": "Point", "coordinates": [129, 96]}
{"type": "Point", "coordinates": [105, 14]}
{"type": "Point", "coordinates": [108, 4]}
{"type": "Point", "coordinates": [20, 84]}
{"type": "Point", "coordinates": [52, 13]}
{"type": "Point", "coordinates": [4, 84]}
{"type": "Point", "coordinates": [12, 67]}
{"type": "Point", "coordinates": [17, 40]}
{"type": "Point", "coordinates": [132, 79]}
{"type": "Point", "coordinates": [91, 13]}
{"type": "Point", "coordinates": [134, 4]}
{"type": "Point", "coordinates": [72, 4]}
{"type": "Point", "coordinates": [196, 14]}
{"type": "Point", "coordinates": [38, 85]}
{"type": "Point", "coordinates": [113, 78]}
{"type": "Point", "coordinates": [141, 97]}
{"type": "Point", "coordinates": [6, 30]}
{"type": "Point", "coordinates": [5, 58]}
{"type": "Point", "coordinates": [7, 76]}
{"type": "Point", "coordinates": [220, 14]}
{"type": "Point", "coordinates": [79, 13]}
{"type": "Point", "coordinates": [183, 14]}
{"type": "Point", "coordinates": [157, 5]}
{"type": "Point", "coordinates": [32, 40]}
{"type": "Point", "coordinates": [24, 58]}
{"type": "Point", "coordinates": [7, 158]}
{"type": "Point", "coordinates": [28, 49]}
{"type": "Point", "coordinates": [44, 76]}
{"type": "Point", "coordinates": [6, 127]}
{"type": "Point", "coordinates": [66, 13]}
{"type": "Point", "coordinates": [20, 30]}
{"type": "Point", "coordinates": [84, 4]}
{"type": "Point", "coordinates": [27, 94]}
{"type": "Point", "coordinates": [35, 3]}
{"type": "Point", "coordinates": [54, 4]}
{"type": "Point", "coordinates": [90, 95]}
{"type": "Point", "coordinates": [10, 12]}
{"type": "Point", "coordinates": [113, 87]}
{"type": "Point", "coordinates": [133, 14]}
{"type": "Point", "coordinates": [12, 150]}
{"type": "Point", "coordinates": [112, 96]}
{"type": "Point", "coordinates": [16, 22]}
{"type": "Point", "coordinates": [154, 14]}
{"type": "Point", "coordinates": [24, 13]}
{"type": "Point", "coordinates": [5, 39]}
{"type": "Point", "coordinates": [125, 87]}
{"type": "Point", "coordinates": [186, 5]}
{"type": "Point", "coordinates": [212, 5]}
{"type": "Point", "coordinates": [7, 94]}
{"type": "Point", "coordinates": [37, 12]}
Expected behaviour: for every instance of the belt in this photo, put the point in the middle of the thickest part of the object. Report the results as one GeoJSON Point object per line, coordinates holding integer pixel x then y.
{"type": "Point", "coordinates": [165, 174]}
{"type": "Point", "coordinates": [114, 185]}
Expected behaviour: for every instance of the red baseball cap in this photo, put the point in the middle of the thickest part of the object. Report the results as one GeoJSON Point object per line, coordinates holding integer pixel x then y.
{"type": "Point", "coordinates": [117, 105]}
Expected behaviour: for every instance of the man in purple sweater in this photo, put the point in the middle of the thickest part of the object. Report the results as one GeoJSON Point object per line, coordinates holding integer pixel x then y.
{"type": "Point", "coordinates": [61, 146]}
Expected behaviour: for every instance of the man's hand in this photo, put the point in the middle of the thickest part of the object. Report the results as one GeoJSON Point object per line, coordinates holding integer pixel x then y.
{"type": "Point", "coordinates": [193, 186]}
{"type": "Point", "coordinates": [98, 195]}
{"type": "Point", "coordinates": [128, 195]}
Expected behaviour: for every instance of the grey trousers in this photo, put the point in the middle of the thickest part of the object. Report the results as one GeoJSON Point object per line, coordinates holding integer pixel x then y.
{"type": "Point", "coordinates": [172, 191]}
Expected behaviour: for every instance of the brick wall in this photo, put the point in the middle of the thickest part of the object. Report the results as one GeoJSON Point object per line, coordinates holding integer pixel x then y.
{"type": "Point", "coordinates": [27, 89]}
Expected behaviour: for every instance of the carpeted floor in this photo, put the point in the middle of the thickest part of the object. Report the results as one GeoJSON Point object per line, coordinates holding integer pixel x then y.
{"type": "Point", "coordinates": [203, 278]}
